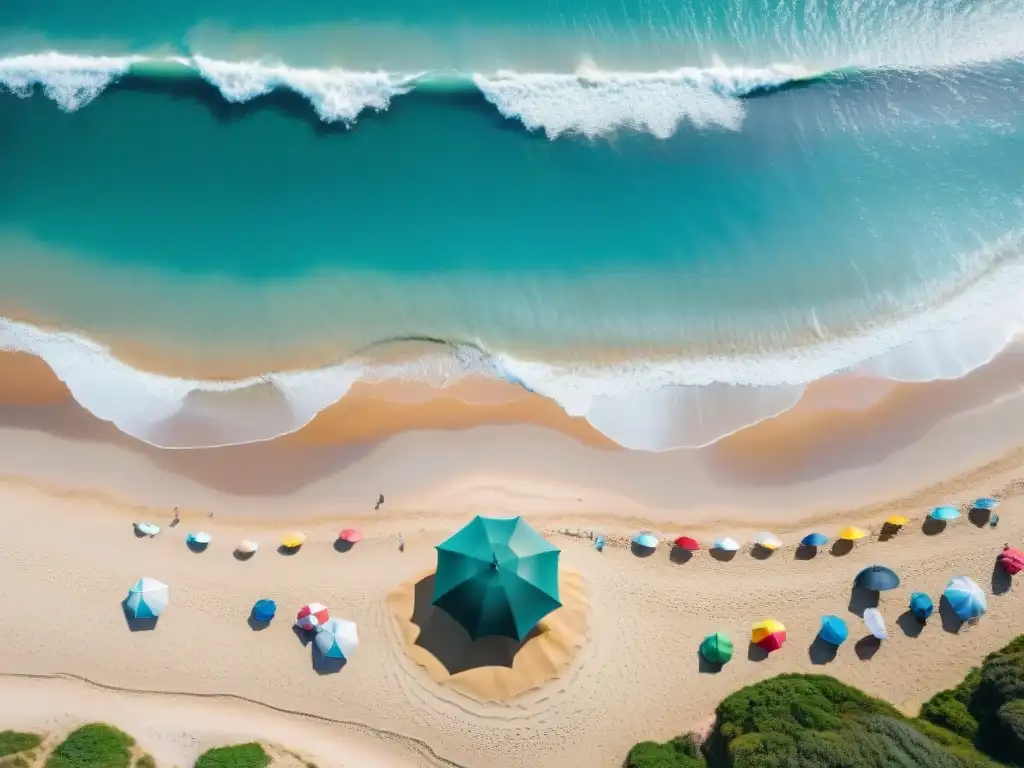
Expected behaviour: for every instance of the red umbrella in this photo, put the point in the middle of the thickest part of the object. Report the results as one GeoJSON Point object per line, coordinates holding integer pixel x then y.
{"type": "Point", "coordinates": [1012, 560]}
{"type": "Point", "coordinates": [351, 535]}
{"type": "Point", "coordinates": [685, 542]}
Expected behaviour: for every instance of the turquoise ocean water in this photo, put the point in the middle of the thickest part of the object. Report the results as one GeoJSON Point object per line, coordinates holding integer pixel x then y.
{"type": "Point", "coordinates": [670, 218]}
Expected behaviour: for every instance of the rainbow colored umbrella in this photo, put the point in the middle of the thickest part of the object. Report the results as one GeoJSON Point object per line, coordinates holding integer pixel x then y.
{"type": "Point", "coordinates": [716, 648]}
{"type": "Point", "coordinates": [833, 630]}
{"type": "Point", "coordinates": [814, 540]}
{"type": "Point", "coordinates": [944, 513]}
{"type": "Point", "coordinates": [769, 635]}
{"type": "Point", "coordinates": [966, 597]}
{"type": "Point", "coordinates": [1012, 560]}
{"type": "Point", "coordinates": [687, 543]}
{"type": "Point", "coordinates": [646, 539]}
{"type": "Point", "coordinates": [986, 503]}
{"type": "Point", "coordinates": [921, 605]}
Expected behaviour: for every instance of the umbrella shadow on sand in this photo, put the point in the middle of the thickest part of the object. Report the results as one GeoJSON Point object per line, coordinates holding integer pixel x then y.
{"type": "Point", "coordinates": [137, 624]}
{"type": "Point", "coordinates": [979, 517]}
{"type": "Point", "coordinates": [756, 653]}
{"type": "Point", "coordinates": [861, 599]}
{"type": "Point", "coordinates": [679, 556]}
{"type": "Point", "coordinates": [931, 526]}
{"type": "Point", "coordinates": [448, 642]}
{"type": "Point", "coordinates": [805, 552]}
{"type": "Point", "coordinates": [723, 555]}
{"type": "Point", "coordinates": [950, 621]}
{"type": "Point", "coordinates": [841, 547]}
{"type": "Point", "coordinates": [640, 550]}
{"type": "Point", "coordinates": [911, 625]}
{"type": "Point", "coordinates": [1002, 582]}
{"type": "Point", "coordinates": [822, 651]}
{"type": "Point", "coordinates": [341, 545]}
{"type": "Point", "coordinates": [867, 647]}
{"type": "Point", "coordinates": [706, 667]}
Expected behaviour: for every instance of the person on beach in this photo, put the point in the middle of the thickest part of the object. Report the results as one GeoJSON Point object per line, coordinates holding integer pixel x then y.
{"type": "Point", "coordinates": [380, 500]}
{"type": "Point", "coordinates": [401, 543]}
{"type": "Point", "coordinates": [177, 518]}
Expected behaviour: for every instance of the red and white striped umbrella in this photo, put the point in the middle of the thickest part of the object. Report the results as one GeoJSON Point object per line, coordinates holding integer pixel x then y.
{"type": "Point", "coordinates": [312, 616]}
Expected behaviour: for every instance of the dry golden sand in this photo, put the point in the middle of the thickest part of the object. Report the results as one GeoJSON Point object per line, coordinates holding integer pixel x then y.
{"type": "Point", "coordinates": [493, 668]}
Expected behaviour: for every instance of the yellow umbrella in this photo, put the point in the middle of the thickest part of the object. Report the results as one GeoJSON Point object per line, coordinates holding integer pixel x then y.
{"type": "Point", "coordinates": [768, 634]}
{"type": "Point", "coordinates": [853, 533]}
{"type": "Point", "coordinates": [293, 540]}
{"type": "Point", "coordinates": [897, 520]}
{"type": "Point", "coordinates": [768, 541]}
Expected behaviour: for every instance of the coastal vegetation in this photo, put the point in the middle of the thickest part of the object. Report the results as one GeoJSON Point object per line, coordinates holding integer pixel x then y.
{"type": "Point", "coordinates": [251, 755]}
{"type": "Point", "coordinates": [808, 721]}
{"type": "Point", "coordinates": [14, 742]}
{"type": "Point", "coordinates": [96, 745]}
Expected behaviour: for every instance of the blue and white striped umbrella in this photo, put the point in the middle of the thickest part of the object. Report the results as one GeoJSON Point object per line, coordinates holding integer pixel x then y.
{"type": "Point", "coordinates": [966, 597]}
{"type": "Point", "coordinates": [725, 544]}
{"type": "Point", "coordinates": [198, 537]}
{"type": "Point", "coordinates": [337, 639]}
{"type": "Point", "coordinates": [147, 598]}
{"type": "Point", "coordinates": [986, 503]}
{"type": "Point", "coordinates": [646, 539]}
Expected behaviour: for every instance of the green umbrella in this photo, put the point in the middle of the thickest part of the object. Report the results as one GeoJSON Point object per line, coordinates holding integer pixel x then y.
{"type": "Point", "coordinates": [716, 648]}
{"type": "Point", "coordinates": [497, 576]}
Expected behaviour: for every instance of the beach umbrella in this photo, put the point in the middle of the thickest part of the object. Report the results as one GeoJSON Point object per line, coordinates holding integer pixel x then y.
{"type": "Point", "coordinates": [247, 547]}
{"type": "Point", "coordinates": [201, 538]}
{"type": "Point", "coordinates": [768, 635]}
{"type": "Point", "coordinates": [312, 616]}
{"type": "Point", "coordinates": [1012, 560]}
{"type": "Point", "coordinates": [725, 544]}
{"type": "Point", "coordinates": [716, 648]}
{"type": "Point", "coordinates": [337, 639]}
{"type": "Point", "coordinates": [351, 535]}
{"type": "Point", "coordinates": [497, 576]}
{"type": "Point", "coordinates": [147, 529]}
{"type": "Point", "coordinates": [833, 630]}
{"type": "Point", "coordinates": [853, 533]}
{"type": "Point", "coordinates": [147, 598]}
{"type": "Point", "coordinates": [986, 503]}
{"type": "Point", "coordinates": [877, 578]}
{"type": "Point", "coordinates": [685, 542]}
{"type": "Point", "coordinates": [646, 539]}
{"type": "Point", "coordinates": [944, 513]}
{"type": "Point", "coordinates": [768, 541]}
{"type": "Point", "coordinates": [897, 520]}
{"type": "Point", "coordinates": [875, 623]}
{"type": "Point", "coordinates": [966, 597]}
{"type": "Point", "coordinates": [814, 540]}
{"type": "Point", "coordinates": [293, 540]}
{"type": "Point", "coordinates": [921, 605]}
{"type": "Point", "coordinates": [264, 610]}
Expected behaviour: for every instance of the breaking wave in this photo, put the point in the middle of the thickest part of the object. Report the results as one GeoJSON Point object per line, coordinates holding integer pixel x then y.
{"type": "Point", "coordinates": [650, 405]}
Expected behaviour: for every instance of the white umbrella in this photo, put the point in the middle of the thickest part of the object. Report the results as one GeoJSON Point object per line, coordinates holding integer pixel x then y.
{"type": "Point", "coordinates": [337, 639]}
{"type": "Point", "coordinates": [199, 537]}
{"type": "Point", "coordinates": [147, 529]}
{"type": "Point", "coordinates": [247, 547]}
{"type": "Point", "coordinates": [147, 598]}
{"type": "Point", "coordinates": [875, 623]}
{"type": "Point", "coordinates": [725, 544]}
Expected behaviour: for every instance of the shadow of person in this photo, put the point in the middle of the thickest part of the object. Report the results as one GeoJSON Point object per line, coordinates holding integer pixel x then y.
{"type": "Point", "coordinates": [910, 624]}
{"type": "Point", "coordinates": [723, 555]}
{"type": "Point", "coordinates": [1002, 582]}
{"type": "Point", "coordinates": [931, 526]}
{"type": "Point", "coordinates": [861, 599]}
{"type": "Point", "coordinates": [950, 621]}
{"type": "Point", "coordinates": [756, 653]}
{"type": "Point", "coordinates": [679, 555]}
{"type": "Point", "coordinates": [979, 517]}
{"type": "Point", "coordinates": [867, 647]}
{"type": "Point", "coordinates": [340, 545]}
{"type": "Point", "coordinates": [706, 667]}
{"type": "Point", "coordinates": [448, 641]}
{"type": "Point", "coordinates": [821, 651]}
{"type": "Point", "coordinates": [761, 553]}
{"type": "Point", "coordinates": [805, 552]}
{"type": "Point", "coordinates": [841, 547]}
{"type": "Point", "coordinates": [639, 550]}
{"type": "Point", "coordinates": [137, 624]}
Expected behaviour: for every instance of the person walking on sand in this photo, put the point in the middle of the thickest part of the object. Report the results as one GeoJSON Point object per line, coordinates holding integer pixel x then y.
{"type": "Point", "coordinates": [401, 543]}
{"type": "Point", "coordinates": [177, 518]}
{"type": "Point", "coordinates": [380, 500]}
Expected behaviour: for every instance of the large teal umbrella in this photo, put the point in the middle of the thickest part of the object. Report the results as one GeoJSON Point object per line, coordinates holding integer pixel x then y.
{"type": "Point", "coordinates": [497, 576]}
{"type": "Point", "coordinates": [877, 578]}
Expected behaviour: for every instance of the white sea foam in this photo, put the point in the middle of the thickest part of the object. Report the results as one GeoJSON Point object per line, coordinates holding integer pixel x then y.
{"type": "Point", "coordinates": [336, 94]}
{"type": "Point", "coordinates": [642, 405]}
{"type": "Point", "coordinates": [593, 102]}
{"type": "Point", "coordinates": [71, 81]}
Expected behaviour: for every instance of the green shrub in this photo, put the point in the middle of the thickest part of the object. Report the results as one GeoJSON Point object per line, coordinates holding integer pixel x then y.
{"type": "Point", "coordinates": [680, 752]}
{"type": "Point", "coordinates": [93, 746]}
{"type": "Point", "coordinates": [145, 761]}
{"type": "Point", "coordinates": [13, 742]}
{"type": "Point", "coordinates": [250, 755]}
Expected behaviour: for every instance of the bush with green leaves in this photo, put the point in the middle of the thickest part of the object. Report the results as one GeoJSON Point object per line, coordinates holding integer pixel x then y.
{"type": "Point", "coordinates": [13, 742]}
{"type": "Point", "coordinates": [250, 755]}
{"type": "Point", "coordinates": [96, 745]}
{"type": "Point", "coordinates": [680, 752]}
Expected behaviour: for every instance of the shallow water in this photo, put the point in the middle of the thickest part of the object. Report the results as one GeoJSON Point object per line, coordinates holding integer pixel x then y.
{"type": "Point", "coordinates": [634, 245]}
